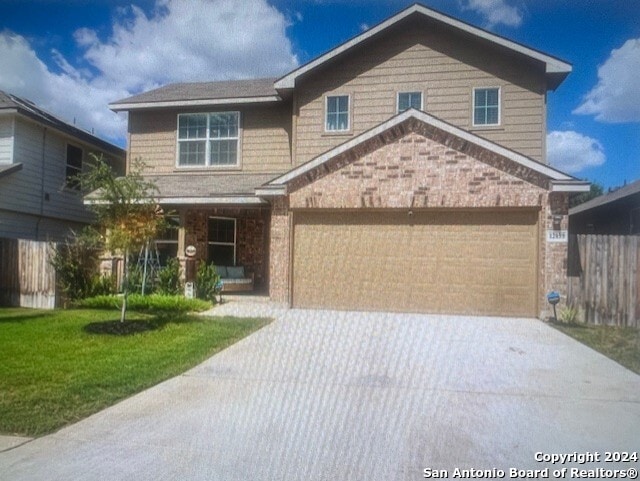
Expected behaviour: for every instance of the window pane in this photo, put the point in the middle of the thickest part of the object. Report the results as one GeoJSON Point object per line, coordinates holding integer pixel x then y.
{"type": "Point", "coordinates": [192, 153]}
{"type": "Point", "coordinates": [223, 125]}
{"type": "Point", "coordinates": [221, 230]}
{"type": "Point", "coordinates": [337, 117]}
{"type": "Point", "coordinates": [224, 152]}
{"type": "Point", "coordinates": [166, 251]}
{"type": "Point", "coordinates": [479, 116]}
{"type": "Point", "coordinates": [221, 255]}
{"type": "Point", "coordinates": [409, 100]}
{"type": "Point", "coordinates": [492, 115]}
{"type": "Point", "coordinates": [492, 97]}
{"type": "Point", "coordinates": [486, 110]}
{"type": "Point", "coordinates": [170, 232]}
{"type": "Point", "coordinates": [192, 126]}
{"type": "Point", "coordinates": [74, 166]}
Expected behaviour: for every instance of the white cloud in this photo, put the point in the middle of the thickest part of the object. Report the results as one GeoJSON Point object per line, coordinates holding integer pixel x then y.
{"type": "Point", "coordinates": [197, 40]}
{"type": "Point", "coordinates": [179, 41]}
{"type": "Point", "coordinates": [616, 97]}
{"type": "Point", "coordinates": [572, 152]}
{"type": "Point", "coordinates": [495, 12]}
{"type": "Point", "coordinates": [70, 95]}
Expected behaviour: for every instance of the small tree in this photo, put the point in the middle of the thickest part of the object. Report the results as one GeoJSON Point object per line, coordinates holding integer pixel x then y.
{"type": "Point", "coordinates": [125, 207]}
{"type": "Point", "coordinates": [595, 190]}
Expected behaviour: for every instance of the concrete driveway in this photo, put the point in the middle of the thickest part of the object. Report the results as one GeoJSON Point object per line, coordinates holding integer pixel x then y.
{"type": "Point", "coordinates": [344, 396]}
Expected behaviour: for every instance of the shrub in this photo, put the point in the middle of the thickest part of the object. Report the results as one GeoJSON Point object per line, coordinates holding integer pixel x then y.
{"type": "Point", "coordinates": [76, 264]}
{"type": "Point", "coordinates": [154, 303]}
{"type": "Point", "coordinates": [207, 282]}
{"type": "Point", "coordinates": [569, 315]}
{"type": "Point", "coordinates": [168, 278]}
{"type": "Point", "coordinates": [103, 285]}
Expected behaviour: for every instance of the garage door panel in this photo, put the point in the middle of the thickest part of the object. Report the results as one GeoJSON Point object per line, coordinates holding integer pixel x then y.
{"type": "Point", "coordinates": [457, 262]}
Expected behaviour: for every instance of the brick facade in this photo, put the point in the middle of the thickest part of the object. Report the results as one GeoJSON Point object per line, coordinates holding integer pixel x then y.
{"type": "Point", "coordinates": [414, 166]}
{"type": "Point", "coordinates": [251, 237]}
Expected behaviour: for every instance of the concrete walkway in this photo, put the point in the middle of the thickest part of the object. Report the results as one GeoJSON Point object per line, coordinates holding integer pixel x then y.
{"type": "Point", "coordinates": [342, 396]}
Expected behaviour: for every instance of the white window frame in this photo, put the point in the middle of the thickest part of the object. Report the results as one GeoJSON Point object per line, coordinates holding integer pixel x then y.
{"type": "Point", "coordinates": [235, 236]}
{"type": "Point", "coordinates": [473, 106]}
{"type": "Point", "coordinates": [67, 166]}
{"type": "Point", "coordinates": [326, 113]}
{"type": "Point", "coordinates": [409, 92]}
{"type": "Point", "coordinates": [207, 139]}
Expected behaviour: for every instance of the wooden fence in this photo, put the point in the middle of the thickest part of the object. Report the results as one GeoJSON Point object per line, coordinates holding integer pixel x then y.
{"type": "Point", "coordinates": [604, 279]}
{"type": "Point", "coordinates": [26, 277]}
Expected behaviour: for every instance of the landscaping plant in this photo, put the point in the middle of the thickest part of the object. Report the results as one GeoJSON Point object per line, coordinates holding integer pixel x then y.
{"type": "Point", "coordinates": [76, 263]}
{"type": "Point", "coordinates": [207, 282]}
{"type": "Point", "coordinates": [125, 208]}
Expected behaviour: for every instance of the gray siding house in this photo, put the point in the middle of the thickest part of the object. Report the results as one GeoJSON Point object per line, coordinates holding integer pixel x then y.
{"type": "Point", "coordinates": [39, 154]}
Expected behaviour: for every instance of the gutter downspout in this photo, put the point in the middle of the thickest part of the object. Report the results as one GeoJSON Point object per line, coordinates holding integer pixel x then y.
{"type": "Point", "coordinates": [44, 141]}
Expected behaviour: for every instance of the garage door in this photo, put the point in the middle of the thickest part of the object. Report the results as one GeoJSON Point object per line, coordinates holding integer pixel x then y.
{"type": "Point", "coordinates": [458, 262]}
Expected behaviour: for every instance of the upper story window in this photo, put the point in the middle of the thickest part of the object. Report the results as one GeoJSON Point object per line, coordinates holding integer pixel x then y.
{"type": "Point", "coordinates": [73, 166]}
{"type": "Point", "coordinates": [208, 139]}
{"type": "Point", "coordinates": [486, 106]}
{"type": "Point", "coordinates": [409, 100]}
{"type": "Point", "coordinates": [337, 118]}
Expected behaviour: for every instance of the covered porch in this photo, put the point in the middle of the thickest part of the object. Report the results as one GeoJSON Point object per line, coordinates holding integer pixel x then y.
{"type": "Point", "coordinates": [221, 217]}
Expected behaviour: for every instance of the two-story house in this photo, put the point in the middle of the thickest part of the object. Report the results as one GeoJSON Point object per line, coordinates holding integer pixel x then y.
{"type": "Point", "coordinates": [40, 154]}
{"type": "Point", "coordinates": [403, 170]}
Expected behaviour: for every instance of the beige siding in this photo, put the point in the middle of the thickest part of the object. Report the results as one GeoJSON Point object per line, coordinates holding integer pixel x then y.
{"type": "Point", "coordinates": [6, 140]}
{"type": "Point", "coordinates": [445, 67]}
{"type": "Point", "coordinates": [265, 138]}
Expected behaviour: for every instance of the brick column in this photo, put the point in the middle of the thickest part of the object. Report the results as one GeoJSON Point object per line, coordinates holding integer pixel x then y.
{"type": "Point", "coordinates": [279, 260]}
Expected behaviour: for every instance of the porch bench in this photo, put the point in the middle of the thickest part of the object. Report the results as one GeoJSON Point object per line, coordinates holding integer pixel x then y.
{"type": "Point", "coordinates": [234, 279]}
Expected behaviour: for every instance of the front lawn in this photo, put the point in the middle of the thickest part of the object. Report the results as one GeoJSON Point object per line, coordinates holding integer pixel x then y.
{"type": "Point", "coordinates": [53, 372]}
{"type": "Point", "coordinates": [622, 344]}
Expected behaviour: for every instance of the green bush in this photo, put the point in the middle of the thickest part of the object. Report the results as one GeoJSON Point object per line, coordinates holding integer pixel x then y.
{"type": "Point", "coordinates": [76, 264]}
{"type": "Point", "coordinates": [102, 285]}
{"type": "Point", "coordinates": [569, 315]}
{"type": "Point", "coordinates": [155, 303]}
{"type": "Point", "coordinates": [207, 282]}
{"type": "Point", "coordinates": [168, 278]}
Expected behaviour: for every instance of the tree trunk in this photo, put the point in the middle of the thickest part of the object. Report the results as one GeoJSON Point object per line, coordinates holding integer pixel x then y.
{"type": "Point", "coordinates": [125, 290]}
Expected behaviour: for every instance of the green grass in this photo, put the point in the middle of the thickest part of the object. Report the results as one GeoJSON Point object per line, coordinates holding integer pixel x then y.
{"type": "Point", "coordinates": [622, 344]}
{"type": "Point", "coordinates": [53, 372]}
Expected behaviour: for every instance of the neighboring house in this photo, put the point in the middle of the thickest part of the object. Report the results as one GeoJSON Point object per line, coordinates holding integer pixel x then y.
{"type": "Point", "coordinates": [615, 213]}
{"type": "Point", "coordinates": [39, 155]}
{"type": "Point", "coordinates": [404, 170]}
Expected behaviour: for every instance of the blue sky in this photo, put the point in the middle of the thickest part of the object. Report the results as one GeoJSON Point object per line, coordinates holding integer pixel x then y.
{"type": "Point", "coordinates": [73, 57]}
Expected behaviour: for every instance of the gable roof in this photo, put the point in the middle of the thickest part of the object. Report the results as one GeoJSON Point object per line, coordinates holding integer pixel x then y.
{"type": "Point", "coordinates": [560, 182]}
{"type": "Point", "coordinates": [10, 103]}
{"type": "Point", "coordinates": [555, 68]}
{"type": "Point", "coordinates": [202, 93]}
{"type": "Point", "coordinates": [623, 192]}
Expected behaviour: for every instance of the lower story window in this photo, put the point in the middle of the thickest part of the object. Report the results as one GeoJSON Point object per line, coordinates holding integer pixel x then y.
{"type": "Point", "coordinates": [167, 242]}
{"type": "Point", "coordinates": [222, 241]}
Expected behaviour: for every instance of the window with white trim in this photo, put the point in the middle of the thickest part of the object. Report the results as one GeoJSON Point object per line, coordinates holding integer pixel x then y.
{"type": "Point", "coordinates": [167, 241]}
{"type": "Point", "coordinates": [486, 106]}
{"type": "Point", "coordinates": [409, 100]}
{"type": "Point", "coordinates": [73, 166]}
{"type": "Point", "coordinates": [337, 113]}
{"type": "Point", "coordinates": [222, 241]}
{"type": "Point", "coordinates": [208, 139]}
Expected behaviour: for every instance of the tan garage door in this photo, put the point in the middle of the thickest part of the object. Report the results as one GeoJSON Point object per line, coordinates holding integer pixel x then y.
{"type": "Point", "coordinates": [439, 262]}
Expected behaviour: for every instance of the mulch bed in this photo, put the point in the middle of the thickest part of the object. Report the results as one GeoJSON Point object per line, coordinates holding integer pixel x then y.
{"type": "Point", "coordinates": [117, 328]}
